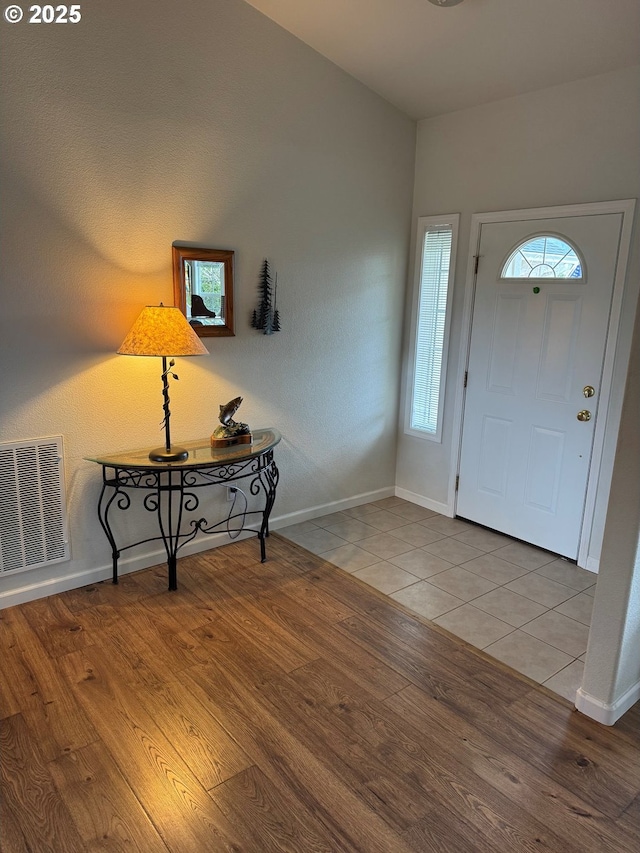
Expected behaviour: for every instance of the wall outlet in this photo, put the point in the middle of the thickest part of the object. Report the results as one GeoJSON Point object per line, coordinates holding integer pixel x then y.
{"type": "Point", "coordinates": [231, 492]}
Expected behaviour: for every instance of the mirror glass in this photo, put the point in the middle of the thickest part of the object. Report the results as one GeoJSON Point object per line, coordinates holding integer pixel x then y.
{"type": "Point", "coordinates": [203, 289]}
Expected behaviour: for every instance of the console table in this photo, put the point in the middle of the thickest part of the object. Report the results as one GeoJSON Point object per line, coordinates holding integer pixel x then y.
{"type": "Point", "coordinates": [172, 492]}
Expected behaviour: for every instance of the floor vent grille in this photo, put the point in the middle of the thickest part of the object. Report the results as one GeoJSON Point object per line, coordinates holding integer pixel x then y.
{"type": "Point", "coordinates": [33, 511]}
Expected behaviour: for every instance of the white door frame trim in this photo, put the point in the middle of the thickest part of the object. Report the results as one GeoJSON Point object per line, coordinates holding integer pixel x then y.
{"type": "Point", "coordinates": [618, 347]}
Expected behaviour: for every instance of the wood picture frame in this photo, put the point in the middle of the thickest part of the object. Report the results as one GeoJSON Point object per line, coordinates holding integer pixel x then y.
{"type": "Point", "coordinates": [203, 289]}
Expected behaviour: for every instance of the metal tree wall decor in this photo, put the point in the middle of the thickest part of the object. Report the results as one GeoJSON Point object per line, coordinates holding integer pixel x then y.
{"type": "Point", "coordinates": [266, 316]}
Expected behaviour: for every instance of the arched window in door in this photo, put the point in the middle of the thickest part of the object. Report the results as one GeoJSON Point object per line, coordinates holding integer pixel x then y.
{"type": "Point", "coordinates": [544, 256]}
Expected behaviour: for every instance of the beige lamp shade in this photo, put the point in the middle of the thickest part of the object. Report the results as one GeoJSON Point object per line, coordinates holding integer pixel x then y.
{"type": "Point", "coordinates": [162, 330]}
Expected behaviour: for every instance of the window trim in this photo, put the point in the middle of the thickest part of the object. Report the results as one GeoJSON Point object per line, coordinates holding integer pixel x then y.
{"type": "Point", "coordinates": [425, 224]}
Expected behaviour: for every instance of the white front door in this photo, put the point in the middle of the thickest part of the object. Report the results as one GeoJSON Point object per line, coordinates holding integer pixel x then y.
{"type": "Point", "coordinates": [537, 348]}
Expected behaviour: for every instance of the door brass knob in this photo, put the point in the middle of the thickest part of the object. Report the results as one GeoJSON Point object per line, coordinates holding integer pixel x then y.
{"type": "Point", "coordinates": [584, 415]}
{"type": "Point", "coordinates": [588, 390]}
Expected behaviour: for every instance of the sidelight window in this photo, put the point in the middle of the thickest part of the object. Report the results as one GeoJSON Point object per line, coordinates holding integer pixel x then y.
{"type": "Point", "coordinates": [436, 245]}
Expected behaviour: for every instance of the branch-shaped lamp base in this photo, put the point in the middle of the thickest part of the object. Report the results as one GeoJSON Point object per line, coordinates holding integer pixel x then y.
{"type": "Point", "coordinates": [167, 453]}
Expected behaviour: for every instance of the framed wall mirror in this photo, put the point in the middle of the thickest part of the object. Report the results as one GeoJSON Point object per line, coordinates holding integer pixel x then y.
{"type": "Point", "coordinates": [203, 289]}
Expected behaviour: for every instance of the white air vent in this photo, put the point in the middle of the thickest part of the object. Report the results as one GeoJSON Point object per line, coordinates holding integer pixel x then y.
{"type": "Point", "coordinates": [33, 512]}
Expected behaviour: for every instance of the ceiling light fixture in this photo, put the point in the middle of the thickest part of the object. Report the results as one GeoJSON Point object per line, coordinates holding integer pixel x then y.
{"type": "Point", "coordinates": [445, 2]}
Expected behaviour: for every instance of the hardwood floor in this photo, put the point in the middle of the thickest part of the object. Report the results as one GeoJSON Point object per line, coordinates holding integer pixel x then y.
{"type": "Point", "coordinates": [287, 707]}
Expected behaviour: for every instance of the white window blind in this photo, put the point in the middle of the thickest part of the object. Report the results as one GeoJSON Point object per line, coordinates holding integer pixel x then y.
{"type": "Point", "coordinates": [436, 248]}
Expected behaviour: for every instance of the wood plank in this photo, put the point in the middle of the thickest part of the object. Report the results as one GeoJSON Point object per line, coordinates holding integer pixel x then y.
{"type": "Point", "coordinates": [180, 809]}
{"type": "Point", "coordinates": [286, 649]}
{"type": "Point", "coordinates": [565, 751]}
{"type": "Point", "coordinates": [268, 821]}
{"type": "Point", "coordinates": [252, 578]}
{"type": "Point", "coordinates": [434, 771]}
{"type": "Point", "coordinates": [316, 601]}
{"type": "Point", "coordinates": [57, 628]}
{"type": "Point", "coordinates": [377, 781]}
{"type": "Point", "coordinates": [214, 756]}
{"type": "Point", "coordinates": [286, 759]}
{"type": "Point", "coordinates": [151, 633]}
{"type": "Point", "coordinates": [565, 814]}
{"type": "Point", "coordinates": [429, 666]}
{"type": "Point", "coordinates": [628, 725]}
{"type": "Point", "coordinates": [148, 638]}
{"type": "Point", "coordinates": [138, 662]}
{"type": "Point", "coordinates": [106, 813]}
{"type": "Point", "coordinates": [236, 558]}
{"type": "Point", "coordinates": [252, 582]}
{"type": "Point", "coordinates": [238, 611]}
{"type": "Point", "coordinates": [185, 609]}
{"type": "Point", "coordinates": [26, 788]}
{"type": "Point", "coordinates": [442, 832]}
{"type": "Point", "coordinates": [42, 695]}
{"type": "Point", "coordinates": [629, 820]}
{"type": "Point", "coordinates": [17, 683]}
{"type": "Point", "coordinates": [129, 588]}
{"type": "Point", "coordinates": [224, 642]}
{"type": "Point", "coordinates": [246, 552]}
{"type": "Point", "coordinates": [288, 641]}
{"type": "Point", "coordinates": [165, 621]}
{"type": "Point", "coordinates": [330, 642]}
{"type": "Point", "coordinates": [99, 617]}
{"type": "Point", "coordinates": [315, 609]}
{"type": "Point", "coordinates": [293, 561]}
{"type": "Point", "coordinates": [14, 672]}
{"type": "Point", "coordinates": [605, 771]}
{"type": "Point", "coordinates": [12, 838]}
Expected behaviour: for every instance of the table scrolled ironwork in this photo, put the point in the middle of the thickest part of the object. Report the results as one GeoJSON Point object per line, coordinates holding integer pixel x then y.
{"type": "Point", "coordinates": [173, 492]}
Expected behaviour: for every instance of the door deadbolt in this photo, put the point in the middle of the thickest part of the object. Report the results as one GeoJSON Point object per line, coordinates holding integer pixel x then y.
{"type": "Point", "coordinates": [588, 391]}
{"type": "Point", "coordinates": [584, 415]}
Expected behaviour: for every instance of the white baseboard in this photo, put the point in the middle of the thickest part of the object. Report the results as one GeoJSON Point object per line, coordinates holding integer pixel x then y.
{"type": "Point", "coordinates": [333, 506]}
{"type": "Point", "coordinates": [75, 580]}
{"type": "Point", "coordinates": [427, 503]}
{"type": "Point", "coordinates": [592, 565]}
{"type": "Point", "coordinates": [603, 712]}
{"type": "Point", "coordinates": [30, 591]}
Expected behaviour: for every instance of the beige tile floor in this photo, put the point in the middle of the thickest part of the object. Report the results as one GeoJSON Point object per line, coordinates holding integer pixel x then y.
{"type": "Point", "coordinates": [521, 605]}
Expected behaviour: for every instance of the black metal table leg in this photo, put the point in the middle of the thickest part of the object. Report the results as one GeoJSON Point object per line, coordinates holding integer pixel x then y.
{"type": "Point", "coordinates": [169, 504]}
{"type": "Point", "coordinates": [103, 516]}
{"type": "Point", "coordinates": [172, 564]}
{"type": "Point", "coordinates": [269, 480]}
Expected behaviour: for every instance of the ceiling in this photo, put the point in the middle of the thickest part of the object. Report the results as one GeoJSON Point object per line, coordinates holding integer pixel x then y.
{"type": "Point", "coordinates": [428, 60]}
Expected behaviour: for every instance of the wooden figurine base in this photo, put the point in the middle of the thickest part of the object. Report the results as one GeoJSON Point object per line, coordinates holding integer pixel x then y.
{"type": "Point", "coordinates": [247, 438]}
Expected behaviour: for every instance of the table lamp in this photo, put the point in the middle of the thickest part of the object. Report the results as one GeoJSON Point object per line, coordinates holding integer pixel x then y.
{"type": "Point", "coordinates": [163, 331]}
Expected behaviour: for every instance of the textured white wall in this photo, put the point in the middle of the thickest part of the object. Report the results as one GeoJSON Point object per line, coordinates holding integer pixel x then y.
{"type": "Point", "coordinates": [570, 144]}
{"type": "Point", "coordinates": [203, 121]}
